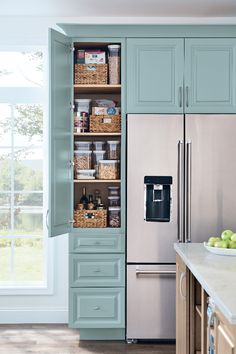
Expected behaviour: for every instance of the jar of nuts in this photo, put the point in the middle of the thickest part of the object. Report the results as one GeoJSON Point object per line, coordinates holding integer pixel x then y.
{"type": "Point", "coordinates": [83, 159]}
{"type": "Point", "coordinates": [114, 216]}
{"type": "Point", "coordinates": [109, 169]}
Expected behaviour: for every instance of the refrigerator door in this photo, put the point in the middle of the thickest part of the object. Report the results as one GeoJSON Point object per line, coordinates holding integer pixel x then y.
{"type": "Point", "coordinates": [153, 150]}
{"type": "Point", "coordinates": [150, 302]}
{"type": "Point", "coordinates": [210, 160]}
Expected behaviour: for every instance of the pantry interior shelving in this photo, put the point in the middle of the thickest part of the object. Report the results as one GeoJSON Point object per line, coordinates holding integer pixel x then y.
{"type": "Point", "coordinates": [97, 89]}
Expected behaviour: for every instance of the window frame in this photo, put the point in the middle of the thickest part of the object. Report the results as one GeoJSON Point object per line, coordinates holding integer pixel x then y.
{"type": "Point", "coordinates": [33, 95]}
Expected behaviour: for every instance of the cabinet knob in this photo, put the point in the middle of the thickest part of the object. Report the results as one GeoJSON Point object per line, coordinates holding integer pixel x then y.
{"type": "Point", "coordinates": [96, 308]}
{"type": "Point", "coordinates": [97, 270]}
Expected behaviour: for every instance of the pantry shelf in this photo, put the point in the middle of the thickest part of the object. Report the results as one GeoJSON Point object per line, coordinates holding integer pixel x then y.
{"type": "Point", "coordinates": [97, 89]}
{"type": "Point", "coordinates": [96, 180]}
{"type": "Point", "coordinates": [97, 134]}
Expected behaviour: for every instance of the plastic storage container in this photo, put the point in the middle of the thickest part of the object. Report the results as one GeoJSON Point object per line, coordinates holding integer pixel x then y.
{"type": "Point", "coordinates": [82, 105]}
{"type": "Point", "coordinates": [113, 150]}
{"type": "Point", "coordinates": [113, 200]}
{"type": "Point", "coordinates": [114, 64]}
{"type": "Point", "coordinates": [113, 191]}
{"type": "Point", "coordinates": [85, 174]}
{"type": "Point", "coordinates": [109, 169]}
{"type": "Point", "coordinates": [99, 145]}
{"type": "Point", "coordinates": [83, 159]}
{"type": "Point", "coordinates": [114, 216]}
{"type": "Point", "coordinates": [98, 155]}
{"type": "Point", "coordinates": [83, 145]}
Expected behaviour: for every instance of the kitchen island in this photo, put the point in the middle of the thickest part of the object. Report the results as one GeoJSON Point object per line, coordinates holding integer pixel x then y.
{"type": "Point", "coordinates": [200, 275]}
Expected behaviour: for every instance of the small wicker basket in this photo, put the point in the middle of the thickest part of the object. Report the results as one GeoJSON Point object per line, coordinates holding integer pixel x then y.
{"type": "Point", "coordinates": [91, 74]}
{"type": "Point", "coordinates": [105, 124]}
{"type": "Point", "coordinates": [90, 218]}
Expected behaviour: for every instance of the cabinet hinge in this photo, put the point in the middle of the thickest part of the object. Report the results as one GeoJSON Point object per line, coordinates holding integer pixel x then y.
{"type": "Point", "coordinates": [72, 107]}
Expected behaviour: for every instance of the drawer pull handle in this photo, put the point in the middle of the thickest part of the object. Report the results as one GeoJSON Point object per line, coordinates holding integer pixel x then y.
{"type": "Point", "coordinates": [97, 270]}
{"type": "Point", "coordinates": [97, 243]}
{"type": "Point", "coordinates": [96, 308]}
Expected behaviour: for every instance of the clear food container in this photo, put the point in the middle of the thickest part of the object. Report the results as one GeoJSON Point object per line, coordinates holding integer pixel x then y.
{"type": "Point", "coordinates": [82, 105]}
{"type": "Point", "coordinates": [98, 155]}
{"type": "Point", "coordinates": [109, 169]}
{"type": "Point", "coordinates": [83, 159]}
{"type": "Point", "coordinates": [113, 150]}
{"type": "Point", "coordinates": [113, 200]}
{"type": "Point", "coordinates": [83, 145]}
{"type": "Point", "coordinates": [114, 216]}
{"type": "Point", "coordinates": [113, 191]}
{"type": "Point", "coordinates": [99, 145]}
{"type": "Point", "coordinates": [85, 174]}
{"type": "Point", "coordinates": [114, 64]}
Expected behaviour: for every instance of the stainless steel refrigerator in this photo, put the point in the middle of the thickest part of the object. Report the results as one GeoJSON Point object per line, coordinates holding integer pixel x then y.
{"type": "Point", "coordinates": [181, 187]}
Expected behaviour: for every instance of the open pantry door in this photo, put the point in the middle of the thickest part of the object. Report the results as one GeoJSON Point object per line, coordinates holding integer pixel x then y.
{"type": "Point", "coordinates": [60, 210]}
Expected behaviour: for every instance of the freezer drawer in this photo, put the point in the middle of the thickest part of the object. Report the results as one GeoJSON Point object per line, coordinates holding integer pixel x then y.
{"type": "Point", "coordinates": [150, 302]}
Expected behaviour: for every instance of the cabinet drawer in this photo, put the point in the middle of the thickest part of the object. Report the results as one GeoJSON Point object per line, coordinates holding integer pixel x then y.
{"type": "Point", "coordinates": [97, 270]}
{"type": "Point", "coordinates": [96, 308]}
{"type": "Point", "coordinates": [97, 244]}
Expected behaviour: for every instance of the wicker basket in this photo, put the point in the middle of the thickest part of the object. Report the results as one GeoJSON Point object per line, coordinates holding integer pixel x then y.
{"type": "Point", "coordinates": [105, 124]}
{"type": "Point", "coordinates": [90, 74]}
{"type": "Point", "coordinates": [90, 218]}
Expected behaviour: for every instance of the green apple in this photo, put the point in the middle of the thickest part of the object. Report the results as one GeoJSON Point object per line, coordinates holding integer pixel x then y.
{"type": "Point", "coordinates": [232, 244]}
{"type": "Point", "coordinates": [226, 235]}
{"type": "Point", "coordinates": [211, 241]}
{"type": "Point", "coordinates": [233, 237]}
{"type": "Point", "coordinates": [221, 244]}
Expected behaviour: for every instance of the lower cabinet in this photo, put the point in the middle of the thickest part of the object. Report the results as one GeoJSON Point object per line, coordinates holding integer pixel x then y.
{"type": "Point", "coordinates": [225, 335]}
{"type": "Point", "coordinates": [97, 286]}
{"type": "Point", "coordinates": [182, 309]}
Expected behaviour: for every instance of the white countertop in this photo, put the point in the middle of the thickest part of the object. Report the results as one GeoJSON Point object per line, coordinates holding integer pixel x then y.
{"type": "Point", "coordinates": [216, 274]}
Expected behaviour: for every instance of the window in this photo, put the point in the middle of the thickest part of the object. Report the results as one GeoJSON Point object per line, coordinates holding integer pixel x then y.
{"type": "Point", "coordinates": [22, 100]}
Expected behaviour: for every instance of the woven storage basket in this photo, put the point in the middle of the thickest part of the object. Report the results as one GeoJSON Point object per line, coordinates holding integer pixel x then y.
{"type": "Point", "coordinates": [105, 124]}
{"type": "Point", "coordinates": [90, 218]}
{"type": "Point", "coordinates": [94, 74]}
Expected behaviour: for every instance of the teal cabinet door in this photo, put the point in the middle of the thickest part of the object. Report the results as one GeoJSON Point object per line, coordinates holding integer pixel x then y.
{"type": "Point", "coordinates": [97, 308]}
{"type": "Point", "coordinates": [155, 75]}
{"type": "Point", "coordinates": [210, 75]}
{"type": "Point", "coordinates": [60, 135]}
{"type": "Point", "coordinates": [97, 270]}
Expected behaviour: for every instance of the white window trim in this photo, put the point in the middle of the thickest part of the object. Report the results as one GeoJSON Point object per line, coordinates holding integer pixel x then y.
{"type": "Point", "coordinates": [47, 287]}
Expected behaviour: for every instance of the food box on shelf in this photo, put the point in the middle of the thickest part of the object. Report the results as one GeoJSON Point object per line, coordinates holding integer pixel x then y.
{"type": "Point", "coordinates": [105, 111]}
{"type": "Point", "coordinates": [95, 57]}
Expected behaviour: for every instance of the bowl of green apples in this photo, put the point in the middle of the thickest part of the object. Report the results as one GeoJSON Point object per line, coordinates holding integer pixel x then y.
{"type": "Point", "coordinates": [224, 245]}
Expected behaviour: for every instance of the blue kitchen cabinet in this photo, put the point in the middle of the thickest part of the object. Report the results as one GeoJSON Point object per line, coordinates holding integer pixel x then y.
{"type": "Point", "coordinates": [210, 75]}
{"type": "Point", "coordinates": [155, 75]}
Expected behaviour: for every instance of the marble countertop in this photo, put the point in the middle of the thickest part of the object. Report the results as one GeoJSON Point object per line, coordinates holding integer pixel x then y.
{"type": "Point", "coordinates": [216, 274]}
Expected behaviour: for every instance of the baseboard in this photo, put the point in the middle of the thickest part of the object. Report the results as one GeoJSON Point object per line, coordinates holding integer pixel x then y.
{"type": "Point", "coordinates": [33, 315]}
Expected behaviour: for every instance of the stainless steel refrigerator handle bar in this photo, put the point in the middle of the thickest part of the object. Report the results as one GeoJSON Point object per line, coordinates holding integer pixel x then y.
{"type": "Point", "coordinates": [157, 272]}
{"type": "Point", "coordinates": [180, 190]}
{"type": "Point", "coordinates": [188, 191]}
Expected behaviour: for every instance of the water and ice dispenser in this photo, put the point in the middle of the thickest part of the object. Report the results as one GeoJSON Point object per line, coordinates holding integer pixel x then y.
{"type": "Point", "coordinates": [157, 198]}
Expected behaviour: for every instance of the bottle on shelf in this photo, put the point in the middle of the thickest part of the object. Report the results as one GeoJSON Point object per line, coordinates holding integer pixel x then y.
{"type": "Point", "coordinates": [84, 200]}
{"type": "Point", "coordinates": [90, 202]}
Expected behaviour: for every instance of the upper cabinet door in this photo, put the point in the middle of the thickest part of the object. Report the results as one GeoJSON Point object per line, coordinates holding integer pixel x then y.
{"type": "Point", "coordinates": [210, 75]}
{"type": "Point", "coordinates": [60, 135]}
{"type": "Point", "coordinates": [155, 75]}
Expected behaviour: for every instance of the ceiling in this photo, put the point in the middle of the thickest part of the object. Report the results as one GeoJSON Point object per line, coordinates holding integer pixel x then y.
{"type": "Point", "coordinates": [119, 8]}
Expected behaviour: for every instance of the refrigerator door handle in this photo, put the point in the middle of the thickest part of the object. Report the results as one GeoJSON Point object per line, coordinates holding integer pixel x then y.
{"type": "Point", "coordinates": [180, 192]}
{"type": "Point", "coordinates": [188, 190]}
